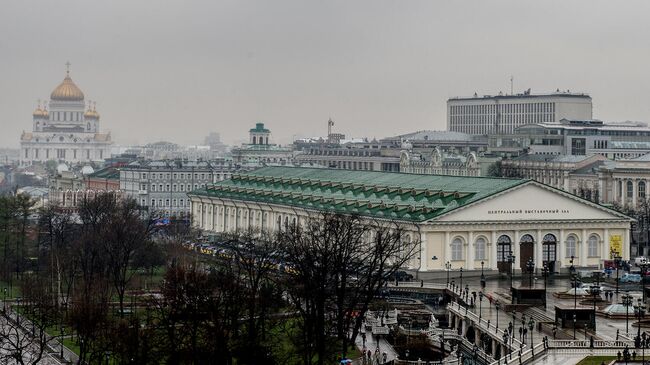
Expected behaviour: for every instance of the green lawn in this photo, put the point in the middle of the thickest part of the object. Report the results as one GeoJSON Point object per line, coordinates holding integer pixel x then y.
{"type": "Point", "coordinates": [596, 360]}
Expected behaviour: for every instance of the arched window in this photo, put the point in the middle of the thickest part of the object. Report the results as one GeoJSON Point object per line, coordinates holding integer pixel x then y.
{"type": "Point", "coordinates": [571, 246]}
{"type": "Point", "coordinates": [642, 189]}
{"type": "Point", "coordinates": [592, 246]}
{"type": "Point", "coordinates": [503, 248]}
{"type": "Point", "coordinates": [479, 249]}
{"type": "Point", "coordinates": [254, 140]}
{"type": "Point", "coordinates": [527, 239]}
{"type": "Point", "coordinates": [457, 249]}
{"type": "Point", "coordinates": [630, 189]}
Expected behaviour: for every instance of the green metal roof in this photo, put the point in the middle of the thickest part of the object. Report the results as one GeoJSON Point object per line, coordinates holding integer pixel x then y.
{"type": "Point", "coordinates": [110, 173]}
{"type": "Point", "coordinates": [259, 127]}
{"type": "Point", "coordinates": [408, 197]}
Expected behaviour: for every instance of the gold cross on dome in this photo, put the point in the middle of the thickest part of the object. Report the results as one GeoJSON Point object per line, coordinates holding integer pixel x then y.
{"type": "Point", "coordinates": [67, 67]}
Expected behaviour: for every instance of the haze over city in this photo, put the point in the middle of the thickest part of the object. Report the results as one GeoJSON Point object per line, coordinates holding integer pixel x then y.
{"type": "Point", "coordinates": [178, 70]}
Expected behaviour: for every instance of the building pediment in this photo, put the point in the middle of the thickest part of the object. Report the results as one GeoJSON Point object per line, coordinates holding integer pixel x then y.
{"type": "Point", "coordinates": [529, 202]}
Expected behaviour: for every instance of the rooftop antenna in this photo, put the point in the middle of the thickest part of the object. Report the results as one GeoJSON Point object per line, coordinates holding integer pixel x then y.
{"type": "Point", "coordinates": [512, 81]}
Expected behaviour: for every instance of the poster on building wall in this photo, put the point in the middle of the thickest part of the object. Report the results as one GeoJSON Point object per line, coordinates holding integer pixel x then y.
{"type": "Point", "coordinates": [616, 245]}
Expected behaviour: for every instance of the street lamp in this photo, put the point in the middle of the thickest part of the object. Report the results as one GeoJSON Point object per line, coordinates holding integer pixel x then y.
{"type": "Point", "coordinates": [627, 302]}
{"type": "Point", "coordinates": [545, 273]}
{"type": "Point", "coordinates": [448, 268]}
{"type": "Point", "coordinates": [572, 270]}
{"type": "Point", "coordinates": [461, 279]}
{"type": "Point", "coordinates": [530, 266]}
{"type": "Point", "coordinates": [531, 325]}
{"type": "Point", "coordinates": [480, 306]}
{"type": "Point", "coordinates": [4, 302]}
{"type": "Point", "coordinates": [617, 261]}
{"type": "Point", "coordinates": [644, 342]}
{"type": "Point", "coordinates": [595, 291]}
{"type": "Point", "coordinates": [640, 311]}
{"type": "Point", "coordinates": [644, 269]}
{"type": "Point", "coordinates": [511, 261]}
{"type": "Point", "coordinates": [497, 305]}
{"type": "Point", "coordinates": [574, 326]}
{"type": "Point", "coordinates": [482, 275]}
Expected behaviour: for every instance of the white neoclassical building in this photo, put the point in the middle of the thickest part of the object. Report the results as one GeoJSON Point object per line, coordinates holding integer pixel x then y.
{"type": "Point", "coordinates": [67, 132]}
{"type": "Point", "coordinates": [460, 220]}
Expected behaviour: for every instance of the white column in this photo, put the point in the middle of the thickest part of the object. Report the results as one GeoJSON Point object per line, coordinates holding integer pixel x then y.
{"type": "Point", "coordinates": [424, 261]}
{"type": "Point", "coordinates": [493, 252]}
{"type": "Point", "coordinates": [517, 251]}
{"type": "Point", "coordinates": [445, 248]}
{"type": "Point", "coordinates": [469, 257]}
{"type": "Point", "coordinates": [635, 192]}
{"type": "Point", "coordinates": [560, 250]}
{"type": "Point", "coordinates": [606, 254]}
{"type": "Point", "coordinates": [539, 253]}
{"type": "Point", "coordinates": [583, 248]}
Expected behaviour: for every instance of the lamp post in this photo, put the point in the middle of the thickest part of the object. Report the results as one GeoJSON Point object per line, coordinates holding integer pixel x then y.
{"type": "Point", "coordinates": [511, 261]}
{"type": "Point", "coordinates": [480, 306]}
{"type": "Point", "coordinates": [640, 311]}
{"type": "Point", "coordinates": [530, 266]}
{"type": "Point", "coordinates": [595, 291]}
{"type": "Point", "coordinates": [497, 305]}
{"type": "Point", "coordinates": [572, 270]}
{"type": "Point", "coordinates": [644, 269]}
{"type": "Point", "coordinates": [448, 268]}
{"type": "Point", "coordinates": [574, 326]}
{"type": "Point", "coordinates": [482, 275]}
{"type": "Point", "coordinates": [643, 345]}
{"type": "Point", "coordinates": [461, 278]}
{"type": "Point", "coordinates": [545, 273]}
{"type": "Point", "coordinates": [617, 261]}
{"type": "Point", "coordinates": [514, 323]}
{"type": "Point", "coordinates": [531, 325]}
{"type": "Point", "coordinates": [627, 302]}
{"type": "Point", "coordinates": [4, 302]}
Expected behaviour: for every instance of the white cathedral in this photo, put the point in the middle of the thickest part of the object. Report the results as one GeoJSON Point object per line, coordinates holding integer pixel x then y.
{"type": "Point", "coordinates": [67, 132]}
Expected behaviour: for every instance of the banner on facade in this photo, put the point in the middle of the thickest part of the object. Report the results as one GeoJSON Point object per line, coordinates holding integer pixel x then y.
{"type": "Point", "coordinates": [615, 245]}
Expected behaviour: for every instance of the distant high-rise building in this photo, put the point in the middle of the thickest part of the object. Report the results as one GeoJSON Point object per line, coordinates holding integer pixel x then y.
{"type": "Point", "coordinates": [68, 132]}
{"type": "Point", "coordinates": [496, 114]}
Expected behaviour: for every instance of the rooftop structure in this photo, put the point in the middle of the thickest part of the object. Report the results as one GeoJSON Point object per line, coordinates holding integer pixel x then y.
{"type": "Point", "coordinates": [575, 137]}
{"type": "Point", "coordinates": [489, 114]}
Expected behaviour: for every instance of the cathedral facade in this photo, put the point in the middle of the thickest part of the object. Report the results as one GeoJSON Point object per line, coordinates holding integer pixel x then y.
{"type": "Point", "coordinates": [65, 130]}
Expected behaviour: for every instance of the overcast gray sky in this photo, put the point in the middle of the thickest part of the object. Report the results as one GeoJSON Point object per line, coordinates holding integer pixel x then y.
{"type": "Point", "coordinates": [176, 70]}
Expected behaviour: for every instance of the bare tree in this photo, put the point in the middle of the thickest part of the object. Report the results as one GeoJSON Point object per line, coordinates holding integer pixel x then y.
{"type": "Point", "coordinates": [125, 235]}
{"type": "Point", "coordinates": [338, 264]}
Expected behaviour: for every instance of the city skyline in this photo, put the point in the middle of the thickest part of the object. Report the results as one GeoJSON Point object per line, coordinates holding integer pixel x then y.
{"type": "Point", "coordinates": [377, 70]}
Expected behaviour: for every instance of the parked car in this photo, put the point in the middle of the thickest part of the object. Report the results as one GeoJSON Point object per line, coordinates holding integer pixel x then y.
{"type": "Point", "coordinates": [630, 278]}
{"type": "Point", "coordinates": [638, 261]}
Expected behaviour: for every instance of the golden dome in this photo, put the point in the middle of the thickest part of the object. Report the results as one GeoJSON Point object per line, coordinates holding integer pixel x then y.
{"type": "Point", "coordinates": [91, 112]}
{"type": "Point", "coordinates": [38, 112]}
{"type": "Point", "coordinates": [67, 91]}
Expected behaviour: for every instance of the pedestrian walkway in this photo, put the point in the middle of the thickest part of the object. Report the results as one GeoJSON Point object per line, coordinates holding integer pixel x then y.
{"type": "Point", "coordinates": [377, 346]}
